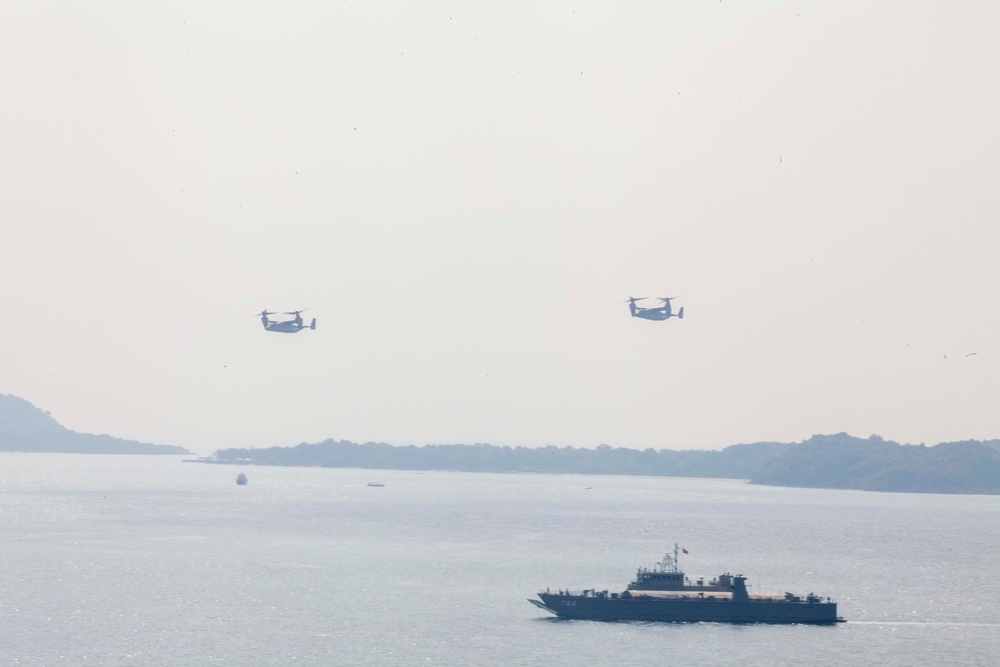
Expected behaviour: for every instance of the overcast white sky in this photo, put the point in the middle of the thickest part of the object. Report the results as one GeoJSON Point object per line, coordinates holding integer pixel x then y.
{"type": "Point", "coordinates": [463, 192]}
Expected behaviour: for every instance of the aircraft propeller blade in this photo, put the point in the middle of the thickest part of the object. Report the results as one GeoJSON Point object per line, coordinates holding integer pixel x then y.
{"type": "Point", "coordinates": [634, 298]}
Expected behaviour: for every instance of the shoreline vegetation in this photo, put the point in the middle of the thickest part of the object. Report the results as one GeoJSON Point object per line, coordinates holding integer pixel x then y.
{"type": "Point", "coordinates": [838, 461]}
{"type": "Point", "coordinates": [27, 428]}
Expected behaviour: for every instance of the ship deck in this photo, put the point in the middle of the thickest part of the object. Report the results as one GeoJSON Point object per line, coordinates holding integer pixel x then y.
{"type": "Point", "coordinates": [706, 595]}
{"type": "Point", "coordinates": [673, 595]}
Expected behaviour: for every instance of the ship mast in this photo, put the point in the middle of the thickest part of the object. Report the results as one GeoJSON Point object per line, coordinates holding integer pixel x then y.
{"type": "Point", "coordinates": [670, 563]}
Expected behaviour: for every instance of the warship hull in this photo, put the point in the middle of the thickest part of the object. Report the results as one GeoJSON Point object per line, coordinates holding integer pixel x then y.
{"type": "Point", "coordinates": [663, 594]}
{"type": "Point", "coordinates": [686, 610]}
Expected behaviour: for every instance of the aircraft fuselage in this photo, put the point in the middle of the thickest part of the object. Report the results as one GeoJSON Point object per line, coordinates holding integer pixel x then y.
{"type": "Point", "coordinates": [289, 326]}
{"type": "Point", "coordinates": [657, 314]}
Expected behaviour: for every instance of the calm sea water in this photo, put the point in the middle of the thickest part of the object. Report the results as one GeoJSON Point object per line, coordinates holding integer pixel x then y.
{"type": "Point", "coordinates": [127, 560]}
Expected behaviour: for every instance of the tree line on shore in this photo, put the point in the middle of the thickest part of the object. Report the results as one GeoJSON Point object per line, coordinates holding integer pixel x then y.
{"type": "Point", "coordinates": [26, 428]}
{"type": "Point", "coordinates": [838, 461]}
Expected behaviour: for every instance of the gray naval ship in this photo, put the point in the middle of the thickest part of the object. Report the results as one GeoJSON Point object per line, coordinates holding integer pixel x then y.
{"type": "Point", "coordinates": [665, 594]}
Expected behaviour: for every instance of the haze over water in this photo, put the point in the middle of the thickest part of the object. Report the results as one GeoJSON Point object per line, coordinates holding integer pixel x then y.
{"type": "Point", "coordinates": [465, 193]}
{"type": "Point", "coordinates": [118, 560]}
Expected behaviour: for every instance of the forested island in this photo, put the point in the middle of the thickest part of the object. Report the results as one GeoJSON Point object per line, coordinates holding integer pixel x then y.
{"type": "Point", "coordinates": [26, 428]}
{"type": "Point", "coordinates": [839, 461]}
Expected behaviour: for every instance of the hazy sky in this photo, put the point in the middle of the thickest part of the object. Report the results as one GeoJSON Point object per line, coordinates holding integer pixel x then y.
{"type": "Point", "coordinates": [464, 192]}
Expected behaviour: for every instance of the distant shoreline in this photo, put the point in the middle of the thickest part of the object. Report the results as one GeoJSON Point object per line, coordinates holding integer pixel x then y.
{"type": "Point", "coordinates": [211, 461]}
{"type": "Point", "coordinates": [28, 429]}
{"type": "Point", "coordinates": [837, 461]}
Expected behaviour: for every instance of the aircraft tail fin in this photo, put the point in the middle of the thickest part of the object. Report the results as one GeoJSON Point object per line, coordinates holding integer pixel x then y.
{"type": "Point", "coordinates": [680, 313]}
{"type": "Point", "coordinates": [312, 325]}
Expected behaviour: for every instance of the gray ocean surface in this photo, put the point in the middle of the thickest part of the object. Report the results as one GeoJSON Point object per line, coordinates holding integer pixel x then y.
{"type": "Point", "coordinates": [144, 560]}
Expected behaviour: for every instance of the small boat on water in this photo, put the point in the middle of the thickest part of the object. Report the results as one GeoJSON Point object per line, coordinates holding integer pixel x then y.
{"type": "Point", "coordinates": [375, 484]}
{"type": "Point", "coordinates": [241, 479]}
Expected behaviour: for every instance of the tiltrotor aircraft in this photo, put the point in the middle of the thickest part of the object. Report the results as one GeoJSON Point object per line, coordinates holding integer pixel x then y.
{"type": "Point", "coordinates": [659, 313]}
{"type": "Point", "coordinates": [286, 326]}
